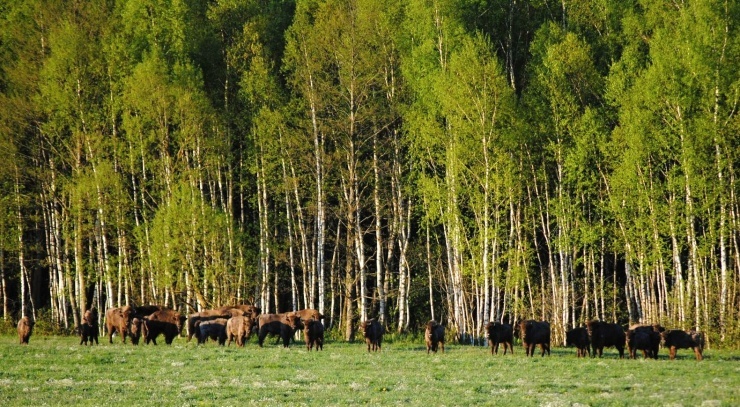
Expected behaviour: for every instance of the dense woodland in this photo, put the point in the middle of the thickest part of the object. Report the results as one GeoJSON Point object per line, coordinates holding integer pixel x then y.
{"type": "Point", "coordinates": [462, 160]}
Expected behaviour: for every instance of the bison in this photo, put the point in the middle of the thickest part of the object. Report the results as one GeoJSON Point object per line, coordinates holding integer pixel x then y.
{"type": "Point", "coordinates": [500, 333]}
{"type": "Point", "coordinates": [535, 333]}
{"type": "Point", "coordinates": [434, 336]}
{"type": "Point", "coordinates": [245, 308]}
{"type": "Point", "coordinates": [214, 329]}
{"type": "Point", "coordinates": [640, 338]}
{"type": "Point", "coordinates": [645, 338]}
{"type": "Point", "coordinates": [578, 337]}
{"type": "Point", "coordinates": [239, 329]}
{"type": "Point", "coordinates": [135, 331]}
{"type": "Point", "coordinates": [25, 329]}
{"type": "Point", "coordinates": [373, 333]}
{"type": "Point", "coordinates": [166, 322]}
{"type": "Point", "coordinates": [604, 334]}
{"type": "Point", "coordinates": [283, 325]}
{"type": "Point", "coordinates": [118, 320]}
{"type": "Point", "coordinates": [85, 330]}
{"type": "Point", "coordinates": [313, 333]}
{"type": "Point", "coordinates": [675, 339]}
{"type": "Point", "coordinates": [91, 318]}
{"type": "Point", "coordinates": [209, 315]}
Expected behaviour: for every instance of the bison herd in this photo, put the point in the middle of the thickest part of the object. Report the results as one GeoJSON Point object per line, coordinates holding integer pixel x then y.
{"type": "Point", "coordinates": [237, 323]}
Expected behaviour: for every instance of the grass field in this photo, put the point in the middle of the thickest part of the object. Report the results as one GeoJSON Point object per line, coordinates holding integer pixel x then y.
{"type": "Point", "coordinates": [54, 370]}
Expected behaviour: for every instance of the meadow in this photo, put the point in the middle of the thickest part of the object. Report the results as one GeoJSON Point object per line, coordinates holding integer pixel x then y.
{"type": "Point", "coordinates": [55, 370]}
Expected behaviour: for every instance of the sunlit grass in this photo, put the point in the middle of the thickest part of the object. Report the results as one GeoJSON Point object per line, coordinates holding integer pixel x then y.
{"type": "Point", "coordinates": [55, 370]}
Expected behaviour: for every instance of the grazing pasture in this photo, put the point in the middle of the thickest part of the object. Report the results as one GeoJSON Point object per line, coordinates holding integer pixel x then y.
{"type": "Point", "coordinates": [57, 371]}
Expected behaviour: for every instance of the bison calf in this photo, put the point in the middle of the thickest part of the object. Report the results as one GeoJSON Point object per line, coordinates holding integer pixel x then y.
{"type": "Point", "coordinates": [578, 337]}
{"type": "Point", "coordinates": [434, 336]}
{"type": "Point", "coordinates": [498, 334]}
{"type": "Point", "coordinates": [677, 339]}
{"type": "Point", "coordinates": [25, 329]}
{"type": "Point", "coordinates": [535, 333]}
{"type": "Point", "coordinates": [373, 333]}
{"type": "Point", "coordinates": [239, 329]}
{"type": "Point", "coordinates": [313, 334]}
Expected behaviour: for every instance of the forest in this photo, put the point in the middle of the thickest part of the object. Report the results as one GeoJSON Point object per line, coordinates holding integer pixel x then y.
{"type": "Point", "coordinates": [460, 160]}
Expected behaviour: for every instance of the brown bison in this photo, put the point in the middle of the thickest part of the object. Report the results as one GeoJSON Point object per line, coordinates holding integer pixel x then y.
{"type": "Point", "coordinates": [166, 322]}
{"type": "Point", "coordinates": [246, 308]}
{"type": "Point", "coordinates": [373, 332]}
{"type": "Point", "coordinates": [434, 336]}
{"type": "Point", "coordinates": [645, 338]}
{"type": "Point", "coordinates": [675, 339]}
{"type": "Point", "coordinates": [604, 334]}
{"type": "Point", "coordinates": [214, 329]}
{"type": "Point", "coordinates": [135, 331]}
{"type": "Point", "coordinates": [578, 337]}
{"type": "Point", "coordinates": [283, 325]}
{"type": "Point", "coordinates": [25, 329]}
{"type": "Point", "coordinates": [313, 333]}
{"type": "Point", "coordinates": [500, 333]}
{"type": "Point", "coordinates": [306, 314]}
{"type": "Point", "coordinates": [533, 333]}
{"type": "Point", "coordinates": [118, 320]}
{"type": "Point", "coordinates": [239, 329]}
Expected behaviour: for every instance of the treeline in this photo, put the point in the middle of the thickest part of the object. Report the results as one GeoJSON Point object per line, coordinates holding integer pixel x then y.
{"type": "Point", "coordinates": [460, 160]}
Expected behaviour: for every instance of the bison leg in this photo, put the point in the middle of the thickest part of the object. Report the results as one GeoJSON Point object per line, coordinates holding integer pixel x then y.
{"type": "Point", "coordinates": [697, 352]}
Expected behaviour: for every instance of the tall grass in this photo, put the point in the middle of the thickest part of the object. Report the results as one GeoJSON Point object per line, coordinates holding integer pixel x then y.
{"type": "Point", "coordinates": [57, 371]}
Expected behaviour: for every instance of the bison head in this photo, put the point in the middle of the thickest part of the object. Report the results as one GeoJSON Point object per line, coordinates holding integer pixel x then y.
{"type": "Point", "coordinates": [293, 321]}
{"type": "Point", "coordinates": [135, 331]}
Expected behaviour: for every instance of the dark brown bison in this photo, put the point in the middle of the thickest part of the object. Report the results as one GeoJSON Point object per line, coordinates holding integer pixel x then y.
{"type": "Point", "coordinates": [500, 333]}
{"type": "Point", "coordinates": [25, 329]}
{"type": "Point", "coordinates": [283, 325]}
{"type": "Point", "coordinates": [645, 338]}
{"type": "Point", "coordinates": [434, 336]}
{"type": "Point", "coordinates": [313, 333]}
{"type": "Point", "coordinates": [135, 331]}
{"type": "Point", "coordinates": [214, 329]}
{"type": "Point", "coordinates": [239, 329]}
{"type": "Point", "coordinates": [604, 334]}
{"type": "Point", "coordinates": [675, 339]}
{"type": "Point", "coordinates": [166, 322]}
{"type": "Point", "coordinates": [533, 333]}
{"type": "Point", "coordinates": [91, 317]}
{"type": "Point", "coordinates": [640, 338]}
{"type": "Point", "coordinates": [578, 337]}
{"type": "Point", "coordinates": [373, 332]}
{"type": "Point", "coordinates": [209, 315]}
{"type": "Point", "coordinates": [118, 320]}
{"type": "Point", "coordinates": [85, 331]}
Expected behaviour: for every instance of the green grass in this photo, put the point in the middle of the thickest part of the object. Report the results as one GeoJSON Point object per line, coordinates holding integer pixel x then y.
{"type": "Point", "coordinates": [54, 370]}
